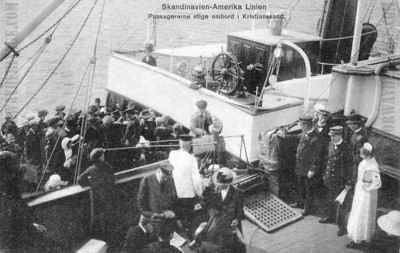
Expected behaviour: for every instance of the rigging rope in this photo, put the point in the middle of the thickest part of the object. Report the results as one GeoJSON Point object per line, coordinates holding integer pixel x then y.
{"type": "Point", "coordinates": [54, 25]}
{"type": "Point", "coordinates": [59, 137]}
{"type": "Point", "coordinates": [7, 70]}
{"type": "Point", "coordinates": [38, 54]}
{"type": "Point", "coordinates": [59, 62]}
{"type": "Point", "coordinates": [90, 90]}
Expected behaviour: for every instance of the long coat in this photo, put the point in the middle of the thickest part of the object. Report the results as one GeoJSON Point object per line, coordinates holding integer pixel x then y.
{"type": "Point", "coordinates": [154, 197]}
{"type": "Point", "coordinates": [308, 155]}
{"type": "Point", "coordinates": [338, 170]}
{"type": "Point", "coordinates": [100, 178]}
{"type": "Point", "coordinates": [222, 213]}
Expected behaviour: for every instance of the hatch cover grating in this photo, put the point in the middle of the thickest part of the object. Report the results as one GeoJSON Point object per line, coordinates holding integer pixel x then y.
{"type": "Point", "coordinates": [269, 212]}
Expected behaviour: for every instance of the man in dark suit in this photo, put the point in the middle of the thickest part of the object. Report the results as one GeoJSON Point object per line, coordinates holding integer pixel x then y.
{"type": "Point", "coordinates": [149, 58]}
{"type": "Point", "coordinates": [337, 177]}
{"type": "Point", "coordinates": [358, 136]}
{"type": "Point", "coordinates": [157, 195]}
{"type": "Point", "coordinates": [308, 157]}
{"type": "Point", "coordinates": [100, 177]}
{"type": "Point", "coordinates": [225, 208]}
{"type": "Point", "coordinates": [139, 236]}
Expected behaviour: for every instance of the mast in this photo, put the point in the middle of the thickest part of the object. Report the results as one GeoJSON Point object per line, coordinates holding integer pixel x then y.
{"type": "Point", "coordinates": [355, 48]}
{"type": "Point", "coordinates": [20, 36]}
{"type": "Point", "coordinates": [355, 51]}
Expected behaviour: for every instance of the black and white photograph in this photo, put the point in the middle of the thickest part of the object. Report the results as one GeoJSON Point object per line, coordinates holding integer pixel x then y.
{"type": "Point", "coordinates": [200, 126]}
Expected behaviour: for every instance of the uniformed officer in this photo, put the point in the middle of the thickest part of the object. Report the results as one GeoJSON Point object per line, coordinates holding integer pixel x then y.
{"type": "Point", "coordinates": [337, 177]}
{"type": "Point", "coordinates": [201, 120]}
{"type": "Point", "coordinates": [308, 159]}
{"type": "Point", "coordinates": [149, 58]}
{"type": "Point", "coordinates": [357, 138]}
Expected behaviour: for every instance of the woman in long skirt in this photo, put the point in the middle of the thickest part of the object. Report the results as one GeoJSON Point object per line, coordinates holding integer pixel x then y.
{"type": "Point", "coordinates": [361, 224]}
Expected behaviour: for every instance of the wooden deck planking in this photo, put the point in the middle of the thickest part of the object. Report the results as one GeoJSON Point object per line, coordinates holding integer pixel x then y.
{"type": "Point", "coordinates": [306, 235]}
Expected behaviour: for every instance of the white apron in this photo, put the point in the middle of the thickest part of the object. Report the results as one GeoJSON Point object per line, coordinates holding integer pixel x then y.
{"type": "Point", "coordinates": [362, 219]}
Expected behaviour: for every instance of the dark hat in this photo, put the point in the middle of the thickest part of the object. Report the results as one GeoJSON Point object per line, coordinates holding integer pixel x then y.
{"type": "Point", "coordinates": [306, 118]}
{"type": "Point", "coordinates": [324, 112]}
{"type": "Point", "coordinates": [185, 137]}
{"type": "Point", "coordinates": [336, 130]}
{"type": "Point", "coordinates": [131, 109]}
{"type": "Point", "coordinates": [201, 104]}
{"type": "Point", "coordinates": [42, 113]}
{"type": "Point", "coordinates": [92, 109]}
{"type": "Point", "coordinates": [149, 46]}
{"type": "Point", "coordinates": [223, 176]}
{"type": "Point", "coordinates": [96, 154]}
{"type": "Point", "coordinates": [97, 100]}
{"type": "Point", "coordinates": [146, 114]}
{"type": "Point", "coordinates": [354, 119]}
{"type": "Point", "coordinates": [116, 113]}
{"type": "Point", "coordinates": [60, 108]}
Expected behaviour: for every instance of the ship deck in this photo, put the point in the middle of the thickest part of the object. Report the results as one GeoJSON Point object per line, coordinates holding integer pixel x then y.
{"type": "Point", "coordinates": [303, 236]}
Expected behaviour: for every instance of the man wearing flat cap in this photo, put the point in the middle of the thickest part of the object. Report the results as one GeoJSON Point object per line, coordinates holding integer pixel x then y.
{"type": "Point", "coordinates": [308, 163]}
{"type": "Point", "coordinates": [148, 50]}
{"type": "Point", "coordinates": [60, 111]}
{"type": "Point", "coordinates": [187, 178]}
{"type": "Point", "coordinates": [156, 196]}
{"type": "Point", "coordinates": [337, 177]}
{"type": "Point", "coordinates": [201, 120]}
{"type": "Point", "coordinates": [100, 177]}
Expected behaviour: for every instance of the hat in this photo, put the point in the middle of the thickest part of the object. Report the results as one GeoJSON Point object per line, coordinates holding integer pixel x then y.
{"type": "Point", "coordinates": [319, 106]}
{"type": "Point", "coordinates": [116, 113]}
{"type": "Point", "coordinates": [390, 223]}
{"type": "Point", "coordinates": [92, 109]}
{"type": "Point", "coordinates": [367, 146]}
{"type": "Point", "coordinates": [42, 113]}
{"type": "Point", "coordinates": [166, 166]}
{"type": "Point", "coordinates": [185, 137]}
{"type": "Point", "coordinates": [60, 108]}
{"type": "Point", "coordinates": [306, 118]}
{"type": "Point", "coordinates": [54, 182]}
{"type": "Point", "coordinates": [336, 130]}
{"type": "Point", "coordinates": [354, 119]}
{"type": "Point", "coordinates": [96, 154]}
{"type": "Point", "coordinates": [201, 104]}
{"type": "Point", "coordinates": [146, 114]}
{"type": "Point", "coordinates": [131, 109]}
{"type": "Point", "coordinates": [149, 46]}
{"type": "Point", "coordinates": [324, 112]}
{"type": "Point", "coordinates": [223, 176]}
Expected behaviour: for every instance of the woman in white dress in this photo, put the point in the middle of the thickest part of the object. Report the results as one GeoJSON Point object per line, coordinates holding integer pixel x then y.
{"type": "Point", "coordinates": [362, 219]}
